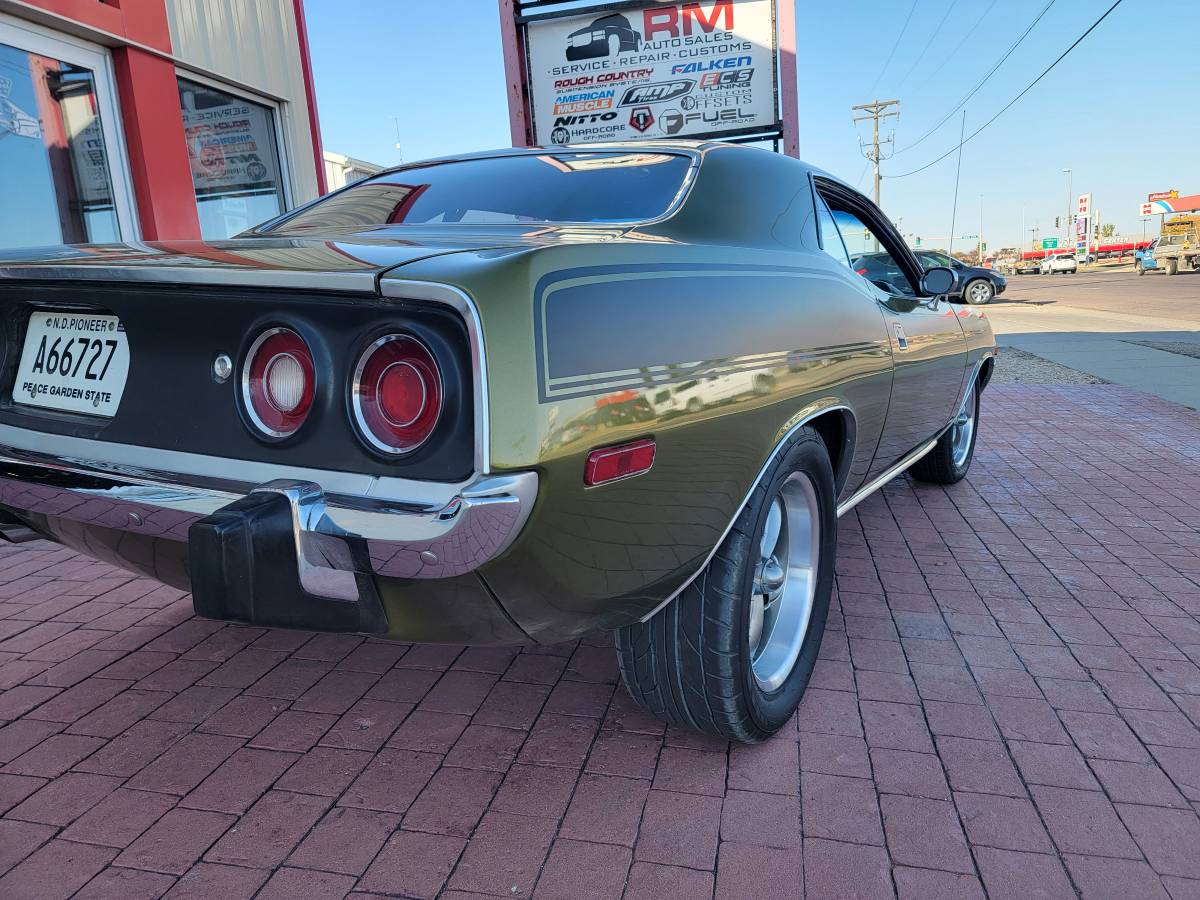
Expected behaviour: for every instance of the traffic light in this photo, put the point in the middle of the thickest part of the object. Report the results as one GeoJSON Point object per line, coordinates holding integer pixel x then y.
{"type": "Point", "coordinates": [1058, 221]}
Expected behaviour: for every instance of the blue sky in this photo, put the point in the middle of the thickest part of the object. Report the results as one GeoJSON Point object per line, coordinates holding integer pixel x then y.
{"type": "Point", "coordinates": [437, 65]}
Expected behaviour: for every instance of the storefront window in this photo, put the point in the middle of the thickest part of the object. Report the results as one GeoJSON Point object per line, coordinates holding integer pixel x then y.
{"type": "Point", "coordinates": [54, 166]}
{"type": "Point", "coordinates": [235, 160]}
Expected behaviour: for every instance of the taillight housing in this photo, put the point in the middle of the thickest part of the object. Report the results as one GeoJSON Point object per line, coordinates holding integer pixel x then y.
{"type": "Point", "coordinates": [278, 382]}
{"type": "Point", "coordinates": [397, 394]}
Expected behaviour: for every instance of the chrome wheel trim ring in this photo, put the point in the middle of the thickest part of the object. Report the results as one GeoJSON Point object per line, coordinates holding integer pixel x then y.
{"type": "Point", "coordinates": [963, 431]}
{"type": "Point", "coordinates": [785, 581]}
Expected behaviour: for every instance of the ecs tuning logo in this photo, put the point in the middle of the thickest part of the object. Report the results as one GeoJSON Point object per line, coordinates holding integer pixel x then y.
{"type": "Point", "coordinates": [641, 118]}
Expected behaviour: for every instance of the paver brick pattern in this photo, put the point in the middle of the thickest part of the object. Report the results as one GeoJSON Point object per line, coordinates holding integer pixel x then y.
{"type": "Point", "coordinates": [1006, 705]}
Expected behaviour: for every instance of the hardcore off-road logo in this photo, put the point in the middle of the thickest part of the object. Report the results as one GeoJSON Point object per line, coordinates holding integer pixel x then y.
{"type": "Point", "coordinates": [560, 135]}
{"type": "Point", "coordinates": [641, 118]}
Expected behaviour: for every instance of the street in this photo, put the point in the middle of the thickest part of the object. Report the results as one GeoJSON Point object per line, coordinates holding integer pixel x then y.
{"type": "Point", "coordinates": [1142, 332]}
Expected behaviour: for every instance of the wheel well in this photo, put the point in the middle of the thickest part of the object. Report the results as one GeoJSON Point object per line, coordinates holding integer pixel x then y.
{"type": "Point", "coordinates": [985, 372]}
{"type": "Point", "coordinates": [837, 430]}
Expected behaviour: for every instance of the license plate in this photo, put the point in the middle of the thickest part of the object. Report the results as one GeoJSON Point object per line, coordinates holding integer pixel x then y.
{"type": "Point", "coordinates": [73, 362]}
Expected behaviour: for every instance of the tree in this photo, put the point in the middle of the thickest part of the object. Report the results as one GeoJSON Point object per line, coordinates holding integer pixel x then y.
{"type": "Point", "coordinates": [1108, 230]}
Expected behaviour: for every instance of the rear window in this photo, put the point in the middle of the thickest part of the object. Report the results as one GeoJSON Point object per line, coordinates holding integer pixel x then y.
{"type": "Point", "coordinates": [550, 188]}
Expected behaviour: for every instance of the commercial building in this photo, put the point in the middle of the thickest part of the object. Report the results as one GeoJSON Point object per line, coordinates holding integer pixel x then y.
{"type": "Point", "coordinates": [153, 119]}
{"type": "Point", "coordinates": [341, 170]}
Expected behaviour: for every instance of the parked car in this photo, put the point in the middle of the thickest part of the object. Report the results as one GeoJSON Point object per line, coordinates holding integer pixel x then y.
{"type": "Point", "coordinates": [977, 286]}
{"type": "Point", "coordinates": [607, 36]}
{"type": "Point", "coordinates": [1063, 264]}
{"type": "Point", "coordinates": [1143, 259]}
{"type": "Point", "coordinates": [422, 407]}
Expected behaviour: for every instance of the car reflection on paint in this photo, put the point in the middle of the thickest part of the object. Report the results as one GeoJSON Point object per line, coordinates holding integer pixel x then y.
{"type": "Point", "coordinates": [607, 36]}
{"type": "Point", "coordinates": [711, 390]}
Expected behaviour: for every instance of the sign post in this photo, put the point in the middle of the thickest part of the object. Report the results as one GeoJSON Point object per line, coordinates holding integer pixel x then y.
{"type": "Point", "coordinates": [639, 70]}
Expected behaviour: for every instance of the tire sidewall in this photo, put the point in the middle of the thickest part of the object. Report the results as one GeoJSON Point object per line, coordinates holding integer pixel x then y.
{"type": "Point", "coordinates": [771, 711]}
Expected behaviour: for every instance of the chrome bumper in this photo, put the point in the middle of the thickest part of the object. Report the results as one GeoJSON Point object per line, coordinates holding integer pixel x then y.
{"type": "Point", "coordinates": [441, 532]}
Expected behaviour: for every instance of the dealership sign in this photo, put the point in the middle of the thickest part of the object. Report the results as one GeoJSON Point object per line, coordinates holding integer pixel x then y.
{"type": "Point", "coordinates": [627, 71]}
{"type": "Point", "coordinates": [1162, 195]}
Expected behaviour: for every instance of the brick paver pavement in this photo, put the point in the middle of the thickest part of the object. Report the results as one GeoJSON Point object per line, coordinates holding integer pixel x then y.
{"type": "Point", "coordinates": [1006, 705]}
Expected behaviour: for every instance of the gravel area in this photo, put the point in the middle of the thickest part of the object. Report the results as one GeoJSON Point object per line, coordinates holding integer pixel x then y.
{"type": "Point", "coordinates": [1183, 348]}
{"type": "Point", "coordinates": [1021, 367]}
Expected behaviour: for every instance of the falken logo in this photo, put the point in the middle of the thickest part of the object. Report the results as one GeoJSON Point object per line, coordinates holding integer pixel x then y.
{"type": "Point", "coordinates": [641, 118]}
{"type": "Point", "coordinates": [710, 65]}
{"type": "Point", "coordinates": [659, 92]}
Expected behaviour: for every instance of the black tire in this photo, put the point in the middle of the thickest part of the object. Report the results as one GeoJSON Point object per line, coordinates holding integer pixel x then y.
{"type": "Point", "coordinates": [1172, 265]}
{"type": "Point", "coordinates": [1139, 268]}
{"type": "Point", "coordinates": [983, 299]}
{"type": "Point", "coordinates": [938, 465]}
{"type": "Point", "coordinates": [690, 663]}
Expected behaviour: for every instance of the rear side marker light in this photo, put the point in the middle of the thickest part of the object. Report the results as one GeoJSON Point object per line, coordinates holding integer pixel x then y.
{"type": "Point", "coordinates": [278, 382]}
{"type": "Point", "coordinates": [397, 394]}
{"type": "Point", "coordinates": [615, 463]}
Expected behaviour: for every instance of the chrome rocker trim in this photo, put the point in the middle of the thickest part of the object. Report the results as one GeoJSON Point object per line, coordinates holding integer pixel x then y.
{"type": "Point", "coordinates": [880, 480]}
{"type": "Point", "coordinates": [436, 531]}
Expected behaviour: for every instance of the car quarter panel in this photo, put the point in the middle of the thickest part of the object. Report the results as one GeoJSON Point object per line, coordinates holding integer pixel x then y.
{"type": "Point", "coordinates": [713, 352]}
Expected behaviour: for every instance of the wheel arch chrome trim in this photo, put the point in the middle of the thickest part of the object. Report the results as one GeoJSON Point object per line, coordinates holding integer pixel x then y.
{"type": "Point", "coordinates": [462, 303]}
{"type": "Point", "coordinates": [786, 432]}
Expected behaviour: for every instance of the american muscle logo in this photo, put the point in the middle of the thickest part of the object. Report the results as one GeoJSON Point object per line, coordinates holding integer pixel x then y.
{"type": "Point", "coordinates": [584, 101]}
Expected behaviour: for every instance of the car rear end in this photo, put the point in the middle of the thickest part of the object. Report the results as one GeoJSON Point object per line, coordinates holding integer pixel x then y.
{"type": "Point", "coordinates": [292, 446]}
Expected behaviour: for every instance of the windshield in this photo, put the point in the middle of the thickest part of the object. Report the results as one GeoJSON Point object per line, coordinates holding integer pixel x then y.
{"type": "Point", "coordinates": [550, 188]}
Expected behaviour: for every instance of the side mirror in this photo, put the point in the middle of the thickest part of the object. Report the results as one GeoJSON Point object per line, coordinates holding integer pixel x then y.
{"type": "Point", "coordinates": [939, 280]}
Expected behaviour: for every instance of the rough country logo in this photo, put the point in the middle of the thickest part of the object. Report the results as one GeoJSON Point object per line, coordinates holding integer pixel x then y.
{"type": "Point", "coordinates": [561, 135]}
{"type": "Point", "coordinates": [659, 92]}
{"type": "Point", "coordinates": [641, 118]}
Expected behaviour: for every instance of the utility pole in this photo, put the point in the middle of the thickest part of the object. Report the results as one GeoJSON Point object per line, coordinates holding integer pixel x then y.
{"type": "Point", "coordinates": [875, 111]}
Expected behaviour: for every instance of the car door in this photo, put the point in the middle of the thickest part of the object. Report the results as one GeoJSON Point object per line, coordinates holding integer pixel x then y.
{"type": "Point", "coordinates": [929, 348]}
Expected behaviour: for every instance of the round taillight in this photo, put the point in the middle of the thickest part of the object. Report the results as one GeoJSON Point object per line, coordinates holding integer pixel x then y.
{"type": "Point", "coordinates": [397, 394]}
{"type": "Point", "coordinates": [278, 382]}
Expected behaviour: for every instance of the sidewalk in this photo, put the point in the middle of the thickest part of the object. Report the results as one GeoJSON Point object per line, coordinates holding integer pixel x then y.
{"type": "Point", "coordinates": [1007, 700]}
{"type": "Point", "coordinates": [1107, 345]}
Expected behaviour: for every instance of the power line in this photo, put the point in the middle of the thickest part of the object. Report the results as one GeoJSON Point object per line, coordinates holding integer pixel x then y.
{"type": "Point", "coordinates": [979, 84]}
{"type": "Point", "coordinates": [899, 38]}
{"type": "Point", "coordinates": [928, 43]}
{"type": "Point", "coordinates": [1006, 107]}
{"type": "Point", "coordinates": [970, 31]}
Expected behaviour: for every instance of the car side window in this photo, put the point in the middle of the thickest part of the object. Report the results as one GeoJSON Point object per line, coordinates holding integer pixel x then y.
{"type": "Point", "coordinates": [831, 238]}
{"type": "Point", "coordinates": [869, 256]}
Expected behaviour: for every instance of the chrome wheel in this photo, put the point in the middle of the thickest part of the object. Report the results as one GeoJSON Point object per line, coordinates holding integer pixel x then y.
{"type": "Point", "coordinates": [963, 430]}
{"type": "Point", "coordinates": [785, 581]}
{"type": "Point", "coordinates": [979, 292]}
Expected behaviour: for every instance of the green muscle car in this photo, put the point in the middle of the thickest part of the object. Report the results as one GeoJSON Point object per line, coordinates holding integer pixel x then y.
{"type": "Point", "coordinates": [500, 398]}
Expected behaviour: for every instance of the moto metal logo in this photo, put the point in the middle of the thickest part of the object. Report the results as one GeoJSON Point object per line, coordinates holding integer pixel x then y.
{"type": "Point", "coordinates": [659, 92]}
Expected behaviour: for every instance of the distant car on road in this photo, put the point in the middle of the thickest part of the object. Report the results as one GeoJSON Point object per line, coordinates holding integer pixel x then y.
{"type": "Point", "coordinates": [1063, 264]}
{"type": "Point", "coordinates": [607, 36]}
{"type": "Point", "coordinates": [977, 286]}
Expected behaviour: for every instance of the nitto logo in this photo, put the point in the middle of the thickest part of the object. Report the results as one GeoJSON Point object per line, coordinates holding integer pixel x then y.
{"type": "Point", "coordinates": [660, 92]}
{"type": "Point", "coordinates": [641, 119]}
{"type": "Point", "coordinates": [686, 20]}
{"type": "Point", "coordinates": [568, 121]}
